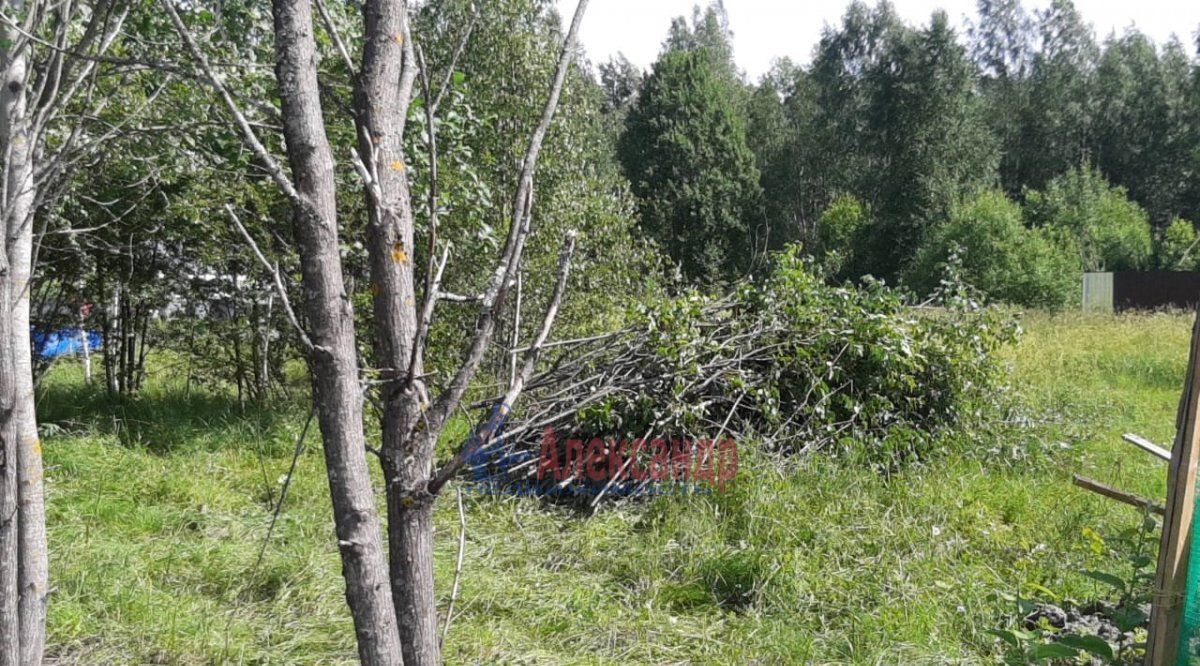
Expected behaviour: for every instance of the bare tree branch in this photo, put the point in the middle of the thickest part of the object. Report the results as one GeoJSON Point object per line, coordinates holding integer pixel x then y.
{"type": "Point", "coordinates": [510, 258]}
{"type": "Point", "coordinates": [432, 295]}
{"type": "Point", "coordinates": [273, 271]}
{"type": "Point", "coordinates": [458, 565]}
{"type": "Point", "coordinates": [287, 483]}
{"type": "Point", "coordinates": [488, 430]}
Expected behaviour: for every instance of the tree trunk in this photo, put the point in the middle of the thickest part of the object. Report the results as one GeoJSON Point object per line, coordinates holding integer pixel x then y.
{"type": "Point", "coordinates": [112, 340]}
{"type": "Point", "coordinates": [31, 492]}
{"type": "Point", "coordinates": [385, 88]}
{"type": "Point", "coordinates": [263, 369]}
{"type": "Point", "coordinates": [10, 624]}
{"type": "Point", "coordinates": [337, 393]}
{"type": "Point", "coordinates": [23, 450]}
{"type": "Point", "coordinates": [86, 350]}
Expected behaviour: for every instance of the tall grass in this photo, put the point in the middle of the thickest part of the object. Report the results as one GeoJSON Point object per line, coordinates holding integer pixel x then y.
{"type": "Point", "coordinates": [159, 505]}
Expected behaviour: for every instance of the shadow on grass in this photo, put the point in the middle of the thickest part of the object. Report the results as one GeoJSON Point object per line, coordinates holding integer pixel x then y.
{"type": "Point", "coordinates": [168, 421]}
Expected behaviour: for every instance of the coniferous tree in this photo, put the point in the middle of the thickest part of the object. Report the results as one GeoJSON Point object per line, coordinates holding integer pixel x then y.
{"type": "Point", "coordinates": [685, 152]}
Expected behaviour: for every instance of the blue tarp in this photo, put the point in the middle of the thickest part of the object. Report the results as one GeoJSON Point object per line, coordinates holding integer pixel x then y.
{"type": "Point", "coordinates": [63, 342]}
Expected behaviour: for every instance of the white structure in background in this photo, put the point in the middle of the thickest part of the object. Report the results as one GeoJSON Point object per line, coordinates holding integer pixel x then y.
{"type": "Point", "coordinates": [1097, 292]}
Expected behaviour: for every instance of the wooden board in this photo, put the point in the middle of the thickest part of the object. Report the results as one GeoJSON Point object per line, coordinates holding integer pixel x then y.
{"type": "Point", "coordinates": [1147, 446]}
{"type": "Point", "coordinates": [1170, 582]}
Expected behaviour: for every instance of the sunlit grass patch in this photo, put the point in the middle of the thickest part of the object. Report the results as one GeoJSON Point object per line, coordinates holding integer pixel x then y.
{"type": "Point", "coordinates": [155, 536]}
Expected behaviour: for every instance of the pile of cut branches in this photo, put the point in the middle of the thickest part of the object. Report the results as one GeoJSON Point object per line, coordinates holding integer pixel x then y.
{"type": "Point", "coordinates": [791, 363]}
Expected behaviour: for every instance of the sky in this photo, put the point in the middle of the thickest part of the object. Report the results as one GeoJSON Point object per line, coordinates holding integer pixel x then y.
{"type": "Point", "coordinates": [767, 29]}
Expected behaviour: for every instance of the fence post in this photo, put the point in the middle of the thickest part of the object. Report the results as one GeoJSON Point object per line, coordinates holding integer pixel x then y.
{"type": "Point", "coordinates": [1170, 581]}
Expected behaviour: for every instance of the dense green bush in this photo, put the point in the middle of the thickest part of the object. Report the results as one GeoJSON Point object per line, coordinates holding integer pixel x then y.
{"type": "Point", "coordinates": [840, 230]}
{"type": "Point", "coordinates": [999, 255]}
{"type": "Point", "coordinates": [1110, 232]}
{"type": "Point", "coordinates": [1176, 247]}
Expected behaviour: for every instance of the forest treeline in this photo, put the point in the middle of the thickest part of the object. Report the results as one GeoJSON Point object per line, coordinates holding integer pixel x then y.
{"type": "Point", "coordinates": [1025, 145]}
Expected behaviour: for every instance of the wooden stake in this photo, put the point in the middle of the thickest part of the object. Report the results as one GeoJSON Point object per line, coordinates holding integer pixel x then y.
{"type": "Point", "coordinates": [1170, 583]}
{"type": "Point", "coordinates": [1119, 495]}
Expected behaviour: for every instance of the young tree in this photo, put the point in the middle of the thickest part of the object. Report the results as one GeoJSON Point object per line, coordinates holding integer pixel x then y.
{"type": "Point", "coordinates": [839, 231]}
{"type": "Point", "coordinates": [685, 153]}
{"type": "Point", "coordinates": [999, 255]}
{"type": "Point", "coordinates": [1176, 249]}
{"type": "Point", "coordinates": [392, 602]}
{"type": "Point", "coordinates": [53, 57]}
{"type": "Point", "coordinates": [482, 124]}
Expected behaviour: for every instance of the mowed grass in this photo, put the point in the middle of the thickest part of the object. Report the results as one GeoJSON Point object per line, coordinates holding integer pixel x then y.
{"type": "Point", "coordinates": [158, 509]}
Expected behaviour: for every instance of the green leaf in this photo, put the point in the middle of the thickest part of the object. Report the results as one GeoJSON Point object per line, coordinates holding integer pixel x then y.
{"type": "Point", "coordinates": [1043, 590]}
{"type": "Point", "coordinates": [1006, 636]}
{"type": "Point", "coordinates": [1106, 578]}
{"type": "Point", "coordinates": [1128, 619]}
{"type": "Point", "coordinates": [458, 78]}
{"type": "Point", "coordinates": [1051, 651]}
{"type": "Point", "coordinates": [1094, 644]}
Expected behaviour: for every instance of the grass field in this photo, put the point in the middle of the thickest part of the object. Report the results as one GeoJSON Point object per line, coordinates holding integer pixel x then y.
{"type": "Point", "coordinates": [158, 508]}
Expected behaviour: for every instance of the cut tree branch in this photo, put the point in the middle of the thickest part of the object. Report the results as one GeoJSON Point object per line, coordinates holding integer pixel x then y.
{"type": "Point", "coordinates": [488, 430]}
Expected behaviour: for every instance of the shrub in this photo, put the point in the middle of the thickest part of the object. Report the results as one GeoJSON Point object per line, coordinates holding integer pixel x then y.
{"type": "Point", "coordinates": [1176, 246]}
{"type": "Point", "coordinates": [1110, 232]}
{"type": "Point", "coordinates": [839, 230]}
{"type": "Point", "coordinates": [1000, 256]}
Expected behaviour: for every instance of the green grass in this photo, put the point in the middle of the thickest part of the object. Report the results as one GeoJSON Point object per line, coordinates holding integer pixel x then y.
{"type": "Point", "coordinates": [158, 508]}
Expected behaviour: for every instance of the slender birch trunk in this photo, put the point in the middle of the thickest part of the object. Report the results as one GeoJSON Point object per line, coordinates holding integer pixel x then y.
{"type": "Point", "coordinates": [15, 147]}
{"type": "Point", "coordinates": [86, 349]}
{"type": "Point", "coordinates": [10, 624]}
{"type": "Point", "coordinates": [18, 209]}
{"type": "Point", "coordinates": [32, 555]}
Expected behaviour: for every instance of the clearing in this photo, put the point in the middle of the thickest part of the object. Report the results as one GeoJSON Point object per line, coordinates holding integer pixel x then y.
{"type": "Point", "coordinates": [158, 508]}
